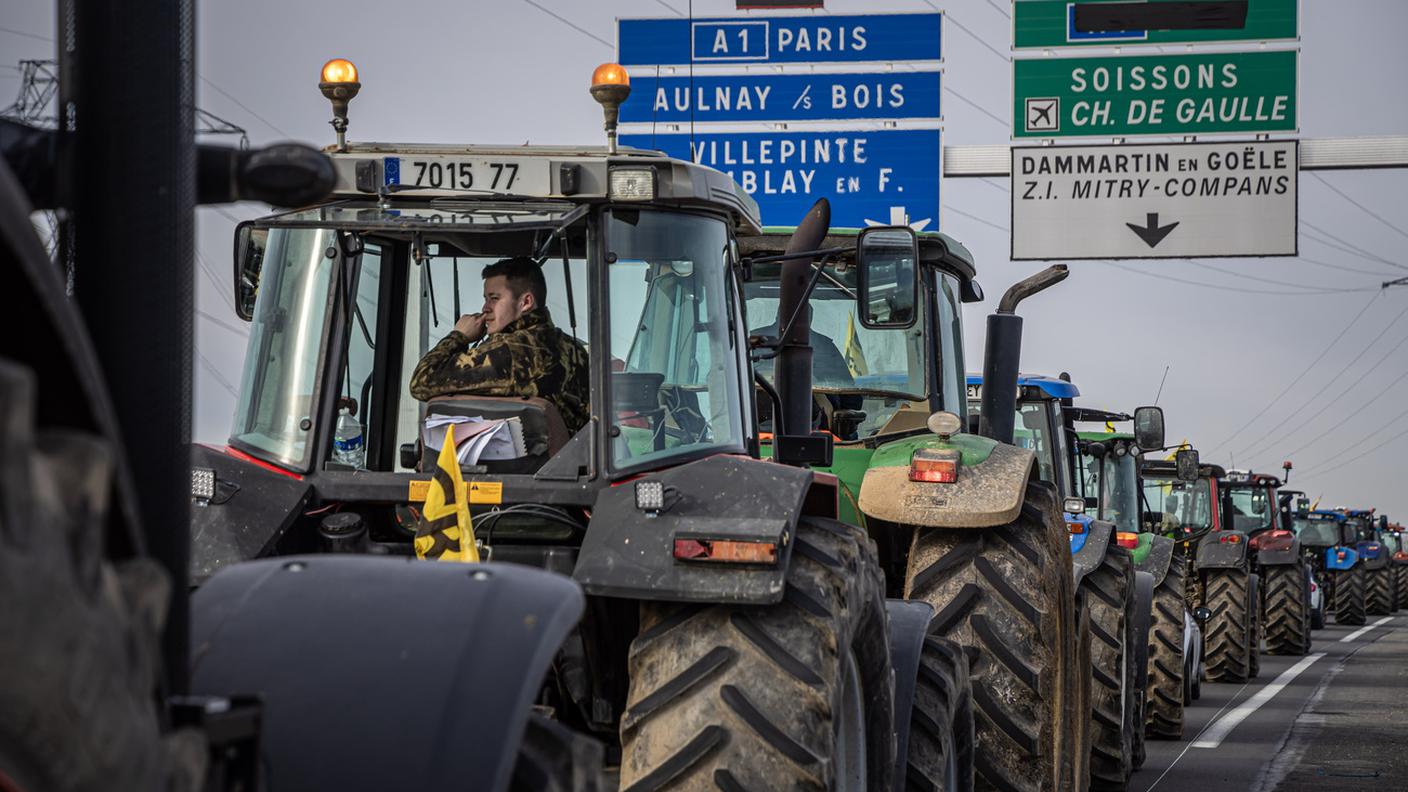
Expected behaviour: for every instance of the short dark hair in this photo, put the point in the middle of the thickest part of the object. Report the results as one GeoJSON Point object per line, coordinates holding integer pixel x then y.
{"type": "Point", "coordinates": [522, 275]}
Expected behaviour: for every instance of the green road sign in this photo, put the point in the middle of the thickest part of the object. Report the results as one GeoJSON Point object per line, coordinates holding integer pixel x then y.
{"type": "Point", "coordinates": [1123, 96]}
{"type": "Point", "coordinates": [1043, 24]}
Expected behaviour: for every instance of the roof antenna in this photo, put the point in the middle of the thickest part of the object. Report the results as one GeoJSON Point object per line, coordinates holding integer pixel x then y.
{"type": "Point", "coordinates": [1161, 386]}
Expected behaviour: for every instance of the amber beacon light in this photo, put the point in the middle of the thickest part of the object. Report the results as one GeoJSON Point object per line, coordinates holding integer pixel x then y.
{"type": "Point", "coordinates": [610, 87]}
{"type": "Point", "coordinates": [339, 84]}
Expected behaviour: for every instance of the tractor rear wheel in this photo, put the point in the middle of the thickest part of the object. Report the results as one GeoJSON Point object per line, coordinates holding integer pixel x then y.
{"type": "Point", "coordinates": [1400, 572]}
{"type": "Point", "coordinates": [1378, 593]}
{"type": "Point", "coordinates": [797, 695]}
{"type": "Point", "coordinates": [1231, 626]}
{"type": "Point", "coordinates": [1349, 596]}
{"type": "Point", "coordinates": [1254, 592]}
{"type": "Point", "coordinates": [1006, 594]}
{"type": "Point", "coordinates": [1110, 587]}
{"type": "Point", "coordinates": [1287, 611]}
{"type": "Point", "coordinates": [941, 739]}
{"type": "Point", "coordinates": [1166, 685]}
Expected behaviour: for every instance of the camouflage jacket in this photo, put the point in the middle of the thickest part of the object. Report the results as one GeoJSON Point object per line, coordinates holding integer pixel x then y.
{"type": "Point", "coordinates": [529, 357]}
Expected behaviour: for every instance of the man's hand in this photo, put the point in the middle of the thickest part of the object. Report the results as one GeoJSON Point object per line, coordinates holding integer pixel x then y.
{"type": "Point", "coordinates": [472, 325]}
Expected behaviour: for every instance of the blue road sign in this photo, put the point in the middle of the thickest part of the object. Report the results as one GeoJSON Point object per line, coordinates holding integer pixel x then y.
{"type": "Point", "coordinates": [871, 177]}
{"type": "Point", "coordinates": [783, 97]}
{"type": "Point", "coordinates": [791, 39]}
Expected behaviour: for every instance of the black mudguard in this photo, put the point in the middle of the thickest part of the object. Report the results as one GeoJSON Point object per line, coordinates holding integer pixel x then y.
{"type": "Point", "coordinates": [382, 673]}
{"type": "Point", "coordinates": [1372, 564]}
{"type": "Point", "coordinates": [1143, 620]}
{"type": "Point", "coordinates": [1214, 554]}
{"type": "Point", "coordinates": [1160, 555]}
{"type": "Point", "coordinates": [630, 553]}
{"type": "Point", "coordinates": [1278, 557]}
{"type": "Point", "coordinates": [1097, 543]}
{"type": "Point", "coordinates": [909, 625]}
{"type": "Point", "coordinates": [251, 510]}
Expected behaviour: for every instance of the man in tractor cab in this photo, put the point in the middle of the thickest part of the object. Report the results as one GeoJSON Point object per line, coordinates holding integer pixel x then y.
{"type": "Point", "coordinates": [523, 353]}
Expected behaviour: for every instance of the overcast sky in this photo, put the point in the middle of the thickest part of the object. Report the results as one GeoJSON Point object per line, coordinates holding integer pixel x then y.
{"type": "Point", "coordinates": [1247, 342]}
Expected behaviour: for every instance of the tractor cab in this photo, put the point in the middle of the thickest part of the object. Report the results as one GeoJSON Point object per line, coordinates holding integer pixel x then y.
{"type": "Point", "coordinates": [1323, 528]}
{"type": "Point", "coordinates": [1255, 508]}
{"type": "Point", "coordinates": [1182, 509]}
{"type": "Point", "coordinates": [1363, 526]}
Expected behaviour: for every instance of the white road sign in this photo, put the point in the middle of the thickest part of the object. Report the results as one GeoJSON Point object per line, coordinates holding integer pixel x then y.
{"type": "Point", "coordinates": [1176, 200]}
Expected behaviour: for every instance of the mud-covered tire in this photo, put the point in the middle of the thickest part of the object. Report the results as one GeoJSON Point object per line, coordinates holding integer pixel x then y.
{"type": "Point", "coordinates": [1166, 687]}
{"type": "Point", "coordinates": [1230, 628]}
{"type": "Point", "coordinates": [1400, 573]}
{"type": "Point", "coordinates": [78, 633]}
{"type": "Point", "coordinates": [750, 697]}
{"type": "Point", "coordinates": [941, 738]}
{"type": "Point", "coordinates": [1378, 592]}
{"type": "Point", "coordinates": [1006, 594]}
{"type": "Point", "coordinates": [1349, 596]}
{"type": "Point", "coordinates": [1110, 590]}
{"type": "Point", "coordinates": [1258, 627]}
{"type": "Point", "coordinates": [1287, 610]}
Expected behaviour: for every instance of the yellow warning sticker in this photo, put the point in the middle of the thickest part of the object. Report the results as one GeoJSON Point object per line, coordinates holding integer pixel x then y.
{"type": "Point", "coordinates": [486, 492]}
{"type": "Point", "coordinates": [419, 487]}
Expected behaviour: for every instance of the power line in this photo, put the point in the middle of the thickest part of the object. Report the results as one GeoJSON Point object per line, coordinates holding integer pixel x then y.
{"type": "Point", "coordinates": [1366, 210]}
{"type": "Point", "coordinates": [243, 331]}
{"type": "Point", "coordinates": [219, 288]}
{"type": "Point", "coordinates": [999, 9]}
{"type": "Point", "coordinates": [571, 24]}
{"type": "Point", "coordinates": [1343, 268]}
{"type": "Point", "coordinates": [34, 36]}
{"type": "Point", "coordinates": [215, 373]}
{"type": "Point", "coordinates": [1383, 392]}
{"type": "Point", "coordinates": [948, 208]}
{"type": "Point", "coordinates": [971, 34]}
{"type": "Point", "coordinates": [243, 106]}
{"type": "Point", "coordinates": [1349, 247]}
{"type": "Point", "coordinates": [672, 8]}
{"type": "Point", "coordinates": [1224, 288]}
{"type": "Point", "coordinates": [976, 106]}
{"type": "Point", "coordinates": [1246, 450]}
{"type": "Point", "coordinates": [1322, 469]}
{"type": "Point", "coordinates": [1303, 372]}
{"type": "Point", "coordinates": [1272, 281]}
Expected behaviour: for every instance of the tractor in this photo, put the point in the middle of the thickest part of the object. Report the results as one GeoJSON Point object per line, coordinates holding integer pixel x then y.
{"type": "Point", "coordinates": [1110, 484]}
{"type": "Point", "coordinates": [1329, 544]}
{"type": "Point", "coordinates": [1120, 598]}
{"type": "Point", "coordinates": [963, 520]}
{"type": "Point", "coordinates": [1295, 506]}
{"type": "Point", "coordinates": [733, 631]}
{"type": "Point", "coordinates": [1392, 537]}
{"type": "Point", "coordinates": [1275, 553]}
{"type": "Point", "coordinates": [1195, 513]}
{"type": "Point", "coordinates": [1380, 582]}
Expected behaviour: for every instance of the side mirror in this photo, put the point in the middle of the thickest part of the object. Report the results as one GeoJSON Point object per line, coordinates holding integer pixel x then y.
{"type": "Point", "coordinates": [1149, 428]}
{"type": "Point", "coordinates": [1186, 462]}
{"type": "Point", "coordinates": [888, 278]}
{"type": "Point", "coordinates": [1383, 522]}
{"type": "Point", "coordinates": [249, 261]}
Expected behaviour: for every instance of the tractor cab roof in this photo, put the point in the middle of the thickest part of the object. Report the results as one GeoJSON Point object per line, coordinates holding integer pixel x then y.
{"type": "Point", "coordinates": [1161, 468]}
{"type": "Point", "coordinates": [1091, 415]}
{"type": "Point", "coordinates": [1032, 385]}
{"type": "Point", "coordinates": [1358, 512]}
{"type": "Point", "coordinates": [935, 249]}
{"type": "Point", "coordinates": [454, 177]}
{"type": "Point", "coordinates": [1247, 478]}
{"type": "Point", "coordinates": [1326, 514]}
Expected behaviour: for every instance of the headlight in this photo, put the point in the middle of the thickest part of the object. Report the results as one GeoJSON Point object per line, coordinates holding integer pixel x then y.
{"type": "Point", "coordinates": [202, 483]}
{"type": "Point", "coordinates": [632, 184]}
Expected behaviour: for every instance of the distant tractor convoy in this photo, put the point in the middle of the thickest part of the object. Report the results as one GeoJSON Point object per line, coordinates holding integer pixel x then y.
{"type": "Point", "coordinates": [720, 509]}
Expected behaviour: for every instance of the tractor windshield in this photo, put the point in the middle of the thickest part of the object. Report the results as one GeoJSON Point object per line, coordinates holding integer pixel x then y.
{"type": "Point", "coordinates": [1114, 479]}
{"type": "Point", "coordinates": [1179, 509]}
{"type": "Point", "coordinates": [1251, 509]}
{"type": "Point", "coordinates": [876, 371]}
{"type": "Point", "coordinates": [675, 361]}
{"type": "Point", "coordinates": [1313, 532]}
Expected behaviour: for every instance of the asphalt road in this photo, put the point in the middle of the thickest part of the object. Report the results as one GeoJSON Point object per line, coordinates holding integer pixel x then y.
{"type": "Point", "coordinates": [1334, 719]}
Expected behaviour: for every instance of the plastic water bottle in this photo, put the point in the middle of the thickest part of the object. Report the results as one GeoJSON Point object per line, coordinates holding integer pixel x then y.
{"type": "Point", "coordinates": [347, 445]}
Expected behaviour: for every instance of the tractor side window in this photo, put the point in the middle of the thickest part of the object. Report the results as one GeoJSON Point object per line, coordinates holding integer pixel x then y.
{"type": "Point", "coordinates": [277, 391]}
{"type": "Point", "coordinates": [950, 363]}
{"type": "Point", "coordinates": [364, 283]}
{"type": "Point", "coordinates": [1031, 431]}
{"type": "Point", "coordinates": [674, 357]}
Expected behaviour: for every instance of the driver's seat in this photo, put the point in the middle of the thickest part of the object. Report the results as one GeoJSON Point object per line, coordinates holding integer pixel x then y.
{"type": "Point", "coordinates": [544, 431]}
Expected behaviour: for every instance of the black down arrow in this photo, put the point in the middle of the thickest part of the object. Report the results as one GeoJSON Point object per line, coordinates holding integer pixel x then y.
{"type": "Point", "coordinates": [1152, 233]}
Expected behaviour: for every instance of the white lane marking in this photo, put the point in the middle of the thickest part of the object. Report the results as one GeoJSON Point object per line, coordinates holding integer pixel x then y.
{"type": "Point", "coordinates": [1362, 630]}
{"type": "Point", "coordinates": [1213, 736]}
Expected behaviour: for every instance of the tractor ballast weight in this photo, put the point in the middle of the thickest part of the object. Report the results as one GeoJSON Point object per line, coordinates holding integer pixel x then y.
{"type": "Point", "coordinates": [315, 636]}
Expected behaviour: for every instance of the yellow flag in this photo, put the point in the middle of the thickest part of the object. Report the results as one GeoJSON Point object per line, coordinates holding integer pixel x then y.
{"type": "Point", "coordinates": [1109, 427]}
{"type": "Point", "coordinates": [446, 532]}
{"type": "Point", "coordinates": [855, 356]}
{"type": "Point", "coordinates": [1172, 455]}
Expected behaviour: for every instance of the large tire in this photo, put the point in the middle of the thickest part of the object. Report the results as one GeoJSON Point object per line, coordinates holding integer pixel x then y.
{"type": "Point", "coordinates": [1349, 596]}
{"type": "Point", "coordinates": [1166, 682]}
{"type": "Point", "coordinates": [1231, 627]}
{"type": "Point", "coordinates": [1007, 595]}
{"type": "Point", "coordinates": [1287, 610]}
{"type": "Point", "coordinates": [751, 697]}
{"type": "Point", "coordinates": [1112, 703]}
{"type": "Point", "coordinates": [1400, 572]}
{"type": "Point", "coordinates": [78, 634]}
{"type": "Point", "coordinates": [1254, 593]}
{"type": "Point", "coordinates": [1378, 593]}
{"type": "Point", "coordinates": [941, 738]}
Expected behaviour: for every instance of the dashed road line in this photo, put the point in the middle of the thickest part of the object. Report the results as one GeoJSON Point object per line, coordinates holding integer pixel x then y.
{"type": "Point", "coordinates": [1213, 736]}
{"type": "Point", "coordinates": [1362, 630]}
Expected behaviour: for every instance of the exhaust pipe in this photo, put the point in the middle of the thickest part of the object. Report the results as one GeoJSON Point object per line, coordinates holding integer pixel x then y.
{"type": "Point", "coordinates": [792, 370]}
{"type": "Point", "coordinates": [1003, 355]}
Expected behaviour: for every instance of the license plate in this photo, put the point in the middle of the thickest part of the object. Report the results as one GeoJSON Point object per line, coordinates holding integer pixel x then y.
{"type": "Point", "coordinates": [470, 174]}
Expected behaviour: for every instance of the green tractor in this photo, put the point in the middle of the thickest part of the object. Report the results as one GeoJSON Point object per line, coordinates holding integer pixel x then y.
{"type": "Point", "coordinates": [962, 520]}
{"type": "Point", "coordinates": [1112, 486]}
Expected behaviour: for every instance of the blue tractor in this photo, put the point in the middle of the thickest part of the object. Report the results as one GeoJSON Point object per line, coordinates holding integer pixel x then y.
{"type": "Point", "coordinates": [1120, 598]}
{"type": "Point", "coordinates": [1380, 585]}
{"type": "Point", "coordinates": [1329, 542]}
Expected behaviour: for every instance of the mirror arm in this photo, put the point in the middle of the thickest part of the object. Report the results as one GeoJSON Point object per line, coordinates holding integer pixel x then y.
{"type": "Point", "coordinates": [827, 253]}
{"type": "Point", "coordinates": [777, 418]}
{"type": "Point", "coordinates": [818, 269]}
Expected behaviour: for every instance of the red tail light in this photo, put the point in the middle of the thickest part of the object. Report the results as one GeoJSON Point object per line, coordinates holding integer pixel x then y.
{"type": "Point", "coordinates": [1127, 539]}
{"type": "Point", "coordinates": [725, 551]}
{"type": "Point", "coordinates": [936, 466]}
{"type": "Point", "coordinates": [1231, 538]}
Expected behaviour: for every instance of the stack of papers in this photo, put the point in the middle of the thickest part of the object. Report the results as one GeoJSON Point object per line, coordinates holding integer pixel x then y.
{"type": "Point", "coordinates": [476, 438]}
